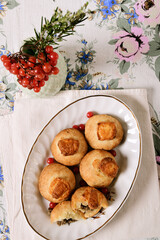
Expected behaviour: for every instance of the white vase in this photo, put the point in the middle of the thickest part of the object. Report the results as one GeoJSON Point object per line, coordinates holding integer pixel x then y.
{"type": "Point", "coordinates": [54, 83]}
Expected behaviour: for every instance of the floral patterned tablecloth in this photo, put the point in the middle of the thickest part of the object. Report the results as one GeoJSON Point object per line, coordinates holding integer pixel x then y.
{"type": "Point", "coordinates": [121, 51]}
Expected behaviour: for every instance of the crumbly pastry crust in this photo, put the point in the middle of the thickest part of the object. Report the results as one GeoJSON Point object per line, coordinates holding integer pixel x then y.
{"type": "Point", "coordinates": [98, 168]}
{"type": "Point", "coordinates": [69, 146]}
{"type": "Point", "coordinates": [63, 211]}
{"type": "Point", "coordinates": [56, 182]}
{"type": "Point", "coordinates": [88, 201]}
{"type": "Point", "coordinates": [103, 132]}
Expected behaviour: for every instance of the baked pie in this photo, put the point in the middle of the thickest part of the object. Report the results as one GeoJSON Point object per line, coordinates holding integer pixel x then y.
{"type": "Point", "coordinates": [103, 132]}
{"type": "Point", "coordinates": [56, 182]}
{"type": "Point", "coordinates": [88, 201]}
{"type": "Point", "coordinates": [69, 146]}
{"type": "Point", "coordinates": [98, 168]}
{"type": "Point", "coordinates": [63, 213]}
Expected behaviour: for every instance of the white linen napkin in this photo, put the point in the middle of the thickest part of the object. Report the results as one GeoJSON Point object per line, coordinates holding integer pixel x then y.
{"type": "Point", "coordinates": [140, 215]}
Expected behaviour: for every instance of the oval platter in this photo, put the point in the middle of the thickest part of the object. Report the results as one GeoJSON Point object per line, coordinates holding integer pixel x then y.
{"type": "Point", "coordinates": [128, 158]}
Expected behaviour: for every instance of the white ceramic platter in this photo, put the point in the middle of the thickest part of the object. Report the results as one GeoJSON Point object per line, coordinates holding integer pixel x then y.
{"type": "Point", "coordinates": [128, 158]}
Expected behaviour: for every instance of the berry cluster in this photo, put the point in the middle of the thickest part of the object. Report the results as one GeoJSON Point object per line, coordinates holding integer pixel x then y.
{"type": "Point", "coordinates": [32, 72]}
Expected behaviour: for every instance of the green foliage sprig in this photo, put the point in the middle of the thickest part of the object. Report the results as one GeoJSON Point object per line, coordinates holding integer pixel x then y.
{"type": "Point", "coordinates": [55, 30]}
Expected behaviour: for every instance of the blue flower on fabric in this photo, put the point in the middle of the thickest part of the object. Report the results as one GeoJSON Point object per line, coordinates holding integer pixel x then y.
{"type": "Point", "coordinates": [84, 41]}
{"type": "Point", "coordinates": [6, 229]}
{"type": "Point", "coordinates": [104, 87]}
{"type": "Point", "coordinates": [85, 56]}
{"type": "Point", "coordinates": [68, 79]}
{"type": "Point", "coordinates": [1, 175]}
{"type": "Point", "coordinates": [11, 105]}
{"type": "Point", "coordinates": [5, 237]}
{"type": "Point", "coordinates": [80, 73]}
{"type": "Point", "coordinates": [3, 86]}
{"type": "Point", "coordinates": [3, 8]}
{"type": "Point", "coordinates": [87, 86]}
{"type": "Point", "coordinates": [3, 51]}
{"type": "Point", "coordinates": [109, 8]}
{"type": "Point", "coordinates": [74, 76]}
{"type": "Point", "coordinates": [2, 95]}
{"type": "Point", "coordinates": [132, 17]}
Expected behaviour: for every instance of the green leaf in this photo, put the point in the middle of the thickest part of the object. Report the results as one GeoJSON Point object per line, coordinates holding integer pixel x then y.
{"type": "Point", "coordinates": [4, 80]}
{"type": "Point", "coordinates": [124, 8]}
{"type": "Point", "coordinates": [11, 87]}
{"type": "Point", "coordinates": [154, 49]}
{"type": "Point", "coordinates": [156, 128]}
{"type": "Point", "coordinates": [113, 41]}
{"type": "Point", "coordinates": [37, 36]}
{"type": "Point", "coordinates": [41, 23]}
{"type": "Point", "coordinates": [89, 77]}
{"type": "Point", "coordinates": [123, 24]}
{"type": "Point", "coordinates": [8, 96]}
{"type": "Point", "coordinates": [77, 67]}
{"type": "Point", "coordinates": [93, 51]}
{"type": "Point", "coordinates": [1, 193]}
{"type": "Point", "coordinates": [157, 34]}
{"type": "Point", "coordinates": [29, 49]}
{"type": "Point", "coordinates": [124, 66]}
{"type": "Point", "coordinates": [113, 83]}
{"type": "Point", "coordinates": [157, 68]}
{"type": "Point", "coordinates": [156, 144]}
{"type": "Point", "coordinates": [1, 21]}
{"type": "Point", "coordinates": [126, 1]}
{"type": "Point", "coordinates": [12, 4]}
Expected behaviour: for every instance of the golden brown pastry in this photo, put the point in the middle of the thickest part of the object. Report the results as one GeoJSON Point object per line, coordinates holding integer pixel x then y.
{"type": "Point", "coordinates": [88, 201]}
{"type": "Point", "coordinates": [63, 213]}
{"type": "Point", "coordinates": [98, 168]}
{"type": "Point", "coordinates": [69, 146]}
{"type": "Point", "coordinates": [103, 132]}
{"type": "Point", "coordinates": [56, 182]}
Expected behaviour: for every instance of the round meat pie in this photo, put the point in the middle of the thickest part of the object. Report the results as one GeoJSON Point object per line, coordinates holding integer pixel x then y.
{"type": "Point", "coordinates": [56, 182]}
{"type": "Point", "coordinates": [98, 168]}
{"type": "Point", "coordinates": [69, 146]}
{"type": "Point", "coordinates": [103, 132]}
{"type": "Point", "coordinates": [88, 201]}
{"type": "Point", "coordinates": [62, 213]}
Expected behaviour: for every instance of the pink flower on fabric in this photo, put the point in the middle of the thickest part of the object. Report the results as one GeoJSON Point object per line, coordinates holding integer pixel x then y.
{"type": "Point", "coordinates": [130, 46]}
{"type": "Point", "coordinates": [148, 11]}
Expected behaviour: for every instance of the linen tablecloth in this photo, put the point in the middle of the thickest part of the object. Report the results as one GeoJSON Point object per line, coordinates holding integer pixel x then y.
{"type": "Point", "coordinates": [138, 218]}
{"type": "Point", "coordinates": [118, 47]}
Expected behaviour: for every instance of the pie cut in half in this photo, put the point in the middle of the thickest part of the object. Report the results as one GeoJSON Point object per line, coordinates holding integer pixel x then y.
{"type": "Point", "coordinates": [88, 201]}
{"type": "Point", "coordinates": [62, 213]}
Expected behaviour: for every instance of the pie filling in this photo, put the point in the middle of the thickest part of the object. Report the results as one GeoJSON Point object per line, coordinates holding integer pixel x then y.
{"type": "Point", "coordinates": [108, 167]}
{"type": "Point", "coordinates": [68, 146]}
{"type": "Point", "coordinates": [85, 207]}
{"type": "Point", "coordinates": [66, 221]}
{"type": "Point", "coordinates": [59, 188]}
{"type": "Point", "coordinates": [106, 131]}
